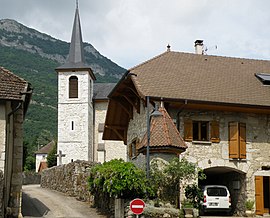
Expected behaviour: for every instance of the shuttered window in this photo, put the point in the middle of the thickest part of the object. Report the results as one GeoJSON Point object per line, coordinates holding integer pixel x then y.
{"type": "Point", "coordinates": [259, 195]}
{"type": "Point", "coordinates": [188, 135]}
{"type": "Point", "coordinates": [201, 131]}
{"type": "Point", "coordinates": [73, 87]}
{"type": "Point", "coordinates": [237, 140]}
{"type": "Point", "coordinates": [215, 131]}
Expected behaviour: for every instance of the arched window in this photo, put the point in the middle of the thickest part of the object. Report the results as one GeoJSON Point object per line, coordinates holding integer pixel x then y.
{"type": "Point", "coordinates": [73, 87]}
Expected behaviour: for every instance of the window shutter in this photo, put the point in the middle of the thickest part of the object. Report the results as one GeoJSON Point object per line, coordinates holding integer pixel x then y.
{"type": "Point", "coordinates": [233, 140]}
{"type": "Point", "coordinates": [259, 195]}
{"type": "Point", "coordinates": [215, 131]}
{"type": "Point", "coordinates": [130, 150]}
{"type": "Point", "coordinates": [73, 87]}
{"type": "Point", "coordinates": [188, 130]}
{"type": "Point", "coordinates": [242, 140]}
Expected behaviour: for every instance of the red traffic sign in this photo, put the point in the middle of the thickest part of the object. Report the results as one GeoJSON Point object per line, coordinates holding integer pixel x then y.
{"type": "Point", "coordinates": [137, 206]}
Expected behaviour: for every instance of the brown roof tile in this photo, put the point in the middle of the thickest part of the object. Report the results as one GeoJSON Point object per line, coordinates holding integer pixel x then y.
{"type": "Point", "coordinates": [11, 86]}
{"type": "Point", "coordinates": [163, 133]}
{"type": "Point", "coordinates": [46, 148]}
{"type": "Point", "coordinates": [187, 76]}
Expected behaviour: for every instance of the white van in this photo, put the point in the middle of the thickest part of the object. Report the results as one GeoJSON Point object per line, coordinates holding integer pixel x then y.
{"type": "Point", "coordinates": [216, 198]}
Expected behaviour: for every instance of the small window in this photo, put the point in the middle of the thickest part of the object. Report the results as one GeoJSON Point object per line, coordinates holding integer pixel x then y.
{"type": "Point", "coordinates": [215, 191]}
{"type": "Point", "coordinates": [133, 149]}
{"type": "Point", "coordinates": [200, 131]}
{"type": "Point", "coordinates": [72, 125]}
{"type": "Point", "coordinates": [73, 87]}
{"type": "Point", "coordinates": [264, 78]}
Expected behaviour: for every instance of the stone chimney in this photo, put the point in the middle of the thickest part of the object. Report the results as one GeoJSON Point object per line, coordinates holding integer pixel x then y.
{"type": "Point", "coordinates": [198, 46]}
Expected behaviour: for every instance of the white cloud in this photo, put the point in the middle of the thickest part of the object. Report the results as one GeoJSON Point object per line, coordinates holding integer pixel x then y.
{"type": "Point", "coordinates": [132, 31]}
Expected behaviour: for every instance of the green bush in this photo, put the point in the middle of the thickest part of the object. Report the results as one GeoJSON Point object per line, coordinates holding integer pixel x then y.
{"type": "Point", "coordinates": [117, 178]}
{"type": "Point", "coordinates": [249, 204]}
{"type": "Point", "coordinates": [194, 195]}
{"type": "Point", "coordinates": [167, 177]}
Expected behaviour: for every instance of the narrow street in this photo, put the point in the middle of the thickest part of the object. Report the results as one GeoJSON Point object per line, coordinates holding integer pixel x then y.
{"type": "Point", "coordinates": [40, 202]}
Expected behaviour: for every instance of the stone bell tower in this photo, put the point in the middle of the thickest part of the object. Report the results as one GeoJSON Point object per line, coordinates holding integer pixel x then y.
{"type": "Point", "coordinates": [75, 108]}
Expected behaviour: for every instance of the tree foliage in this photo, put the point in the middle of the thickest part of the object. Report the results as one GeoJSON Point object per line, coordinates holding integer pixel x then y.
{"type": "Point", "coordinates": [194, 194]}
{"type": "Point", "coordinates": [117, 178]}
{"type": "Point", "coordinates": [51, 158]}
{"type": "Point", "coordinates": [167, 177]}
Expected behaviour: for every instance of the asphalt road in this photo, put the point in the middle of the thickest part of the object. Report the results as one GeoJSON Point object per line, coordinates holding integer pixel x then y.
{"type": "Point", "coordinates": [40, 202]}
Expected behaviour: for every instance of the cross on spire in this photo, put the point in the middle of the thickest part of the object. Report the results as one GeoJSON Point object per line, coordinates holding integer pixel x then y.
{"type": "Point", "coordinates": [77, 4]}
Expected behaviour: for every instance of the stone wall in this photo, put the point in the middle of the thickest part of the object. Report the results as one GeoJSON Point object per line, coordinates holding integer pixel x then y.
{"type": "Point", "coordinates": [70, 179]}
{"type": "Point", "coordinates": [112, 149]}
{"type": "Point", "coordinates": [31, 178]}
{"type": "Point", "coordinates": [1, 193]}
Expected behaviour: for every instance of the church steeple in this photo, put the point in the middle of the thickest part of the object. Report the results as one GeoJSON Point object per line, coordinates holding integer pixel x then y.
{"type": "Point", "coordinates": [75, 59]}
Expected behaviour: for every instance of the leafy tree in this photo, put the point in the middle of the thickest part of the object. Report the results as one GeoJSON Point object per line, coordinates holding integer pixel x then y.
{"type": "Point", "coordinates": [30, 163]}
{"type": "Point", "coordinates": [194, 194]}
{"type": "Point", "coordinates": [167, 177]}
{"type": "Point", "coordinates": [51, 158]}
{"type": "Point", "coordinates": [117, 178]}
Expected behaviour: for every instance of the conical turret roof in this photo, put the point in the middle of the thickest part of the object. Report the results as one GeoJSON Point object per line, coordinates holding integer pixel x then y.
{"type": "Point", "coordinates": [163, 135]}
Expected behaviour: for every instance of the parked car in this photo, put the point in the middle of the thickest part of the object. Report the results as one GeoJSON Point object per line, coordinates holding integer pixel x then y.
{"type": "Point", "coordinates": [216, 198]}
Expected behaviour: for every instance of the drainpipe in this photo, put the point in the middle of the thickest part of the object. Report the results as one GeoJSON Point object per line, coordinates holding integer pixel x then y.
{"type": "Point", "coordinates": [178, 113]}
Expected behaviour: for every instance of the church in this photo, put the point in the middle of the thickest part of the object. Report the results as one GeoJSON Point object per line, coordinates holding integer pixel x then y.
{"type": "Point", "coordinates": [82, 107]}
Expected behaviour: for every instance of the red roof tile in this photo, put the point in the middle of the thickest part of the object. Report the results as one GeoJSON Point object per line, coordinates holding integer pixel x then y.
{"type": "Point", "coordinates": [11, 86]}
{"type": "Point", "coordinates": [163, 133]}
{"type": "Point", "coordinates": [46, 148]}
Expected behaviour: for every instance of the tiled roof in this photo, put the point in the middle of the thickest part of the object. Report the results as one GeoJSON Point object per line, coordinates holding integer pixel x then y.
{"type": "Point", "coordinates": [163, 133]}
{"type": "Point", "coordinates": [46, 148]}
{"type": "Point", "coordinates": [11, 86]}
{"type": "Point", "coordinates": [186, 76]}
{"type": "Point", "coordinates": [102, 90]}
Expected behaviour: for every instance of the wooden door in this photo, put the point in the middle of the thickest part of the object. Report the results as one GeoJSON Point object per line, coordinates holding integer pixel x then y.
{"type": "Point", "coordinates": [259, 195]}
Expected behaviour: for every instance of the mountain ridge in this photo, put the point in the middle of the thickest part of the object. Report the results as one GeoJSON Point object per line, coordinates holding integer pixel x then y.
{"type": "Point", "coordinates": [34, 56]}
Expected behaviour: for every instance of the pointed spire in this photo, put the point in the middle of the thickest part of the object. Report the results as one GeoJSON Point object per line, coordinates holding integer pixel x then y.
{"type": "Point", "coordinates": [75, 58]}
{"type": "Point", "coordinates": [76, 51]}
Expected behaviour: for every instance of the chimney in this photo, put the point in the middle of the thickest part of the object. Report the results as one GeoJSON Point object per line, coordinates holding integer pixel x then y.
{"type": "Point", "coordinates": [199, 46]}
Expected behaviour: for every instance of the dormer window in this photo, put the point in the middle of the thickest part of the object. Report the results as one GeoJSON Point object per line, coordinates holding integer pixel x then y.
{"type": "Point", "coordinates": [264, 78]}
{"type": "Point", "coordinates": [73, 87]}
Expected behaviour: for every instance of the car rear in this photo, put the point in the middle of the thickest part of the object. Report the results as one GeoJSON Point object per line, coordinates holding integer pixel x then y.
{"type": "Point", "coordinates": [216, 198]}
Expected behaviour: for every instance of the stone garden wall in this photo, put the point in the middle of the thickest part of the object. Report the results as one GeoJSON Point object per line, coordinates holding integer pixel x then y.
{"type": "Point", "coordinates": [70, 179]}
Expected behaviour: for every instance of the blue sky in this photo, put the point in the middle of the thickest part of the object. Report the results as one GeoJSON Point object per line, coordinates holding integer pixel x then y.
{"type": "Point", "coordinates": [132, 31]}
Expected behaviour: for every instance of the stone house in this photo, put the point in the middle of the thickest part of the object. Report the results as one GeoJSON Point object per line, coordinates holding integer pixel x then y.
{"type": "Point", "coordinates": [15, 95]}
{"type": "Point", "coordinates": [41, 156]}
{"type": "Point", "coordinates": [82, 106]}
{"type": "Point", "coordinates": [220, 106]}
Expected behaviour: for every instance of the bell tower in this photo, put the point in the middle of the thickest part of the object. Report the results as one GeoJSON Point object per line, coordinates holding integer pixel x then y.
{"type": "Point", "coordinates": [75, 108]}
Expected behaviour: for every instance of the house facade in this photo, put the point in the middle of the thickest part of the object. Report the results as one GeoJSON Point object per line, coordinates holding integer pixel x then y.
{"type": "Point", "coordinates": [82, 106]}
{"type": "Point", "coordinates": [41, 156]}
{"type": "Point", "coordinates": [15, 95]}
{"type": "Point", "coordinates": [220, 106]}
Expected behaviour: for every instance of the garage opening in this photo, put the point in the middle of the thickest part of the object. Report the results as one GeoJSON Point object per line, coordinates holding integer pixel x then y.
{"type": "Point", "coordinates": [235, 182]}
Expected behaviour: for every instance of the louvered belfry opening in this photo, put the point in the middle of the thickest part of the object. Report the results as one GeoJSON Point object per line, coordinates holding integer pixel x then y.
{"type": "Point", "coordinates": [73, 87]}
